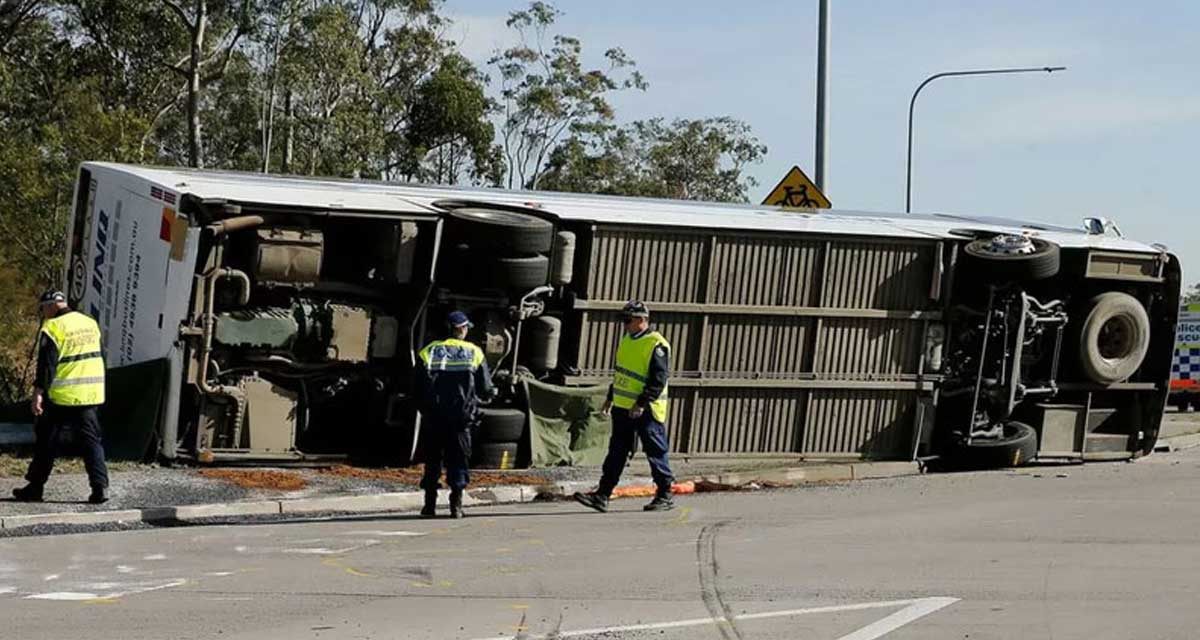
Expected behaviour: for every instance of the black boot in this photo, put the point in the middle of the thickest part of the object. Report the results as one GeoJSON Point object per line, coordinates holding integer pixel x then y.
{"type": "Point", "coordinates": [594, 499]}
{"type": "Point", "coordinates": [456, 510]}
{"type": "Point", "coordinates": [661, 502]}
{"type": "Point", "coordinates": [28, 493]}
{"type": "Point", "coordinates": [430, 508]}
{"type": "Point", "coordinates": [99, 495]}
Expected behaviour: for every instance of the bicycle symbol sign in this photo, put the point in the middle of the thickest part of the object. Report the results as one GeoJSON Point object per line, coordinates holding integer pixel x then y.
{"type": "Point", "coordinates": [797, 191]}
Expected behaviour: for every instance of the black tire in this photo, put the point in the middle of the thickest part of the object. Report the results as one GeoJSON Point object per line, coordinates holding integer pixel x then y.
{"type": "Point", "coordinates": [988, 266]}
{"type": "Point", "coordinates": [501, 425]}
{"type": "Point", "coordinates": [520, 274]}
{"type": "Point", "coordinates": [1114, 338]}
{"type": "Point", "coordinates": [496, 455]}
{"type": "Point", "coordinates": [1195, 405]}
{"type": "Point", "coordinates": [1016, 447]}
{"type": "Point", "coordinates": [500, 232]}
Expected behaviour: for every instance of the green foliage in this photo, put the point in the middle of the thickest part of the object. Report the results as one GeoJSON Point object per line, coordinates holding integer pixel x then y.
{"type": "Point", "coordinates": [686, 159]}
{"type": "Point", "coordinates": [1192, 295]}
{"type": "Point", "coordinates": [547, 94]}
{"type": "Point", "coordinates": [346, 88]}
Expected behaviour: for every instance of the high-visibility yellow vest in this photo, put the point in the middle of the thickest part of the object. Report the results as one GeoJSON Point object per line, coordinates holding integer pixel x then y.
{"type": "Point", "coordinates": [633, 366]}
{"type": "Point", "coordinates": [451, 354]}
{"type": "Point", "coordinates": [79, 376]}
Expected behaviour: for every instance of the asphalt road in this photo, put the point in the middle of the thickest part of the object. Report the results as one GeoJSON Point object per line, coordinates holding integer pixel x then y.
{"type": "Point", "coordinates": [1109, 551]}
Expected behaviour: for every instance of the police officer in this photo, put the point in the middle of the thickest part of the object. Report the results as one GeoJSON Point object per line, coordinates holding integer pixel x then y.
{"type": "Point", "coordinates": [67, 392]}
{"type": "Point", "coordinates": [637, 400]}
{"type": "Point", "coordinates": [452, 375]}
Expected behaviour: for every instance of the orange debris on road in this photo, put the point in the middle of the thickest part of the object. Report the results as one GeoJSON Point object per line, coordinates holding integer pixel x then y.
{"type": "Point", "coordinates": [258, 478]}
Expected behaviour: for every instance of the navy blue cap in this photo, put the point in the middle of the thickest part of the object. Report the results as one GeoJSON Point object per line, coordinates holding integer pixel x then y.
{"type": "Point", "coordinates": [635, 309]}
{"type": "Point", "coordinates": [458, 319]}
{"type": "Point", "coordinates": [52, 296]}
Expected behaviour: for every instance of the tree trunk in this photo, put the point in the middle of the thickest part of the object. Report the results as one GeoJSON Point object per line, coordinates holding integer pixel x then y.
{"type": "Point", "coordinates": [195, 143]}
{"type": "Point", "coordinates": [289, 143]}
{"type": "Point", "coordinates": [269, 116]}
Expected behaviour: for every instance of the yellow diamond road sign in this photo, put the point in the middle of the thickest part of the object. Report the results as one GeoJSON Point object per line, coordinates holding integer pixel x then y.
{"type": "Point", "coordinates": [796, 191]}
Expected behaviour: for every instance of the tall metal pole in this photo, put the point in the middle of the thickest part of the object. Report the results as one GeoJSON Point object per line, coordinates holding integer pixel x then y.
{"type": "Point", "coordinates": [913, 103]}
{"type": "Point", "coordinates": [822, 92]}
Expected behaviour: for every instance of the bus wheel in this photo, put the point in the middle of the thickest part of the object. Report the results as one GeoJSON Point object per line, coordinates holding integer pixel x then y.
{"type": "Point", "coordinates": [502, 425]}
{"type": "Point", "coordinates": [1015, 447]}
{"type": "Point", "coordinates": [1114, 337]}
{"type": "Point", "coordinates": [501, 232]}
{"type": "Point", "coordinates": [520, 273]}
{"type": "Point", "coordinates": [1011, 258]}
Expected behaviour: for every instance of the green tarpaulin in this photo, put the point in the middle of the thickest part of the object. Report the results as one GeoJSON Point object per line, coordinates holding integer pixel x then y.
{"type": "Point", "coordinates": [565, 425]}
{"type": "Point", "coordinates": [131, 413]}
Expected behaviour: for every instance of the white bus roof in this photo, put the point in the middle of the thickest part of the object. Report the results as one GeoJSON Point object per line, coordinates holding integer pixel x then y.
{"type": "Point", "coordinates": [373, 196]}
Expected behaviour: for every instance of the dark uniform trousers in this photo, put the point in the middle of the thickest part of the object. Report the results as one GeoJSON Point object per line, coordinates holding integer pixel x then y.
{"type": "Point", "coordinates": [653, 435]}
{"type": "Point", "coordinates": [45, 447]}
{"type": "Point", "coordinates": [447, 443]}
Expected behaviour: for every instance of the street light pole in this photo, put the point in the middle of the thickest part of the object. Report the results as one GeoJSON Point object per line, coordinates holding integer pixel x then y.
{"type": "Point", "coordinates": [913, 103]}
{"type": "Point", "coordinates": [822, 146]}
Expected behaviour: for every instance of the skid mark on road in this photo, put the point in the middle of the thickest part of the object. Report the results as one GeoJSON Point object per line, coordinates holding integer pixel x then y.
{"type": "Point", "coordinates": [710, 591]}
{"type": "Point", "coordinates": [913, 610]}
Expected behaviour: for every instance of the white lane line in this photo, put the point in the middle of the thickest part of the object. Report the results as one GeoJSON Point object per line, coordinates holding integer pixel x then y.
{"type": "Point", "coordinates": [130, 590]}
{"type": "Point", "coordinates": [919, 609]}
{"type": "Point", "coordinates": [51, 577]}
{"type": "Point", "coordinates": [4, 590]}
{"type": "Point", "coordinates": [62, 595]}
{"type": "Point", "coordinates": [324, 551]}
{"type": "Point", "coordinates": [156, 556]}
{"type": "Point", "coordinates": [386, 533]}
{"type": "Point", "coordinates": [914, 609]}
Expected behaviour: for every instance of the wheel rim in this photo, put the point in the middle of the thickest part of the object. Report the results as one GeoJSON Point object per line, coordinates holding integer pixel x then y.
{"type": "Point", "coordinates": [1007, 245]}
{"type": "Point", "coordinates": [1116, 338]}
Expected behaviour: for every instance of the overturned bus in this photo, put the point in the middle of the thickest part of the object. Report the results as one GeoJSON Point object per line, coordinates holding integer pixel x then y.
{"type": "Point", "coordinates": [285, 314]}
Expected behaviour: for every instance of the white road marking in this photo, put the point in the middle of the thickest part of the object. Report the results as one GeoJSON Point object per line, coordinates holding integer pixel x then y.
{"type": "Point", "coordinates": [156, 556]}
{"type": "Point", "coordinates": [918, 609]}
{"type": "Point", "coordinates": [913, 609]}
{"type": "Point", "coordinates": [386, 533]}
{"type": "Point", "coordinates": [129, 590]}
{"type": "Point", "coordinates": [219, 574]}
{"type": "Point", "coordinates": [62, 595]}
{"type": "Point", "coordinates": [51, 577]}
{"type": "Point", "coordinates": [321, 551]}
{"type": "Point", "coordinates": [121, 568]}
{"type": "Point", "coordinates": [4, 590]}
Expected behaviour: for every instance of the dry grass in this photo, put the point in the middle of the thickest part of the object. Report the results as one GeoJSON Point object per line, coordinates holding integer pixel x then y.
{"type": "Point", "coordinates": [15, 466]}
{"type": "Point", "coordinates": [412, 475]}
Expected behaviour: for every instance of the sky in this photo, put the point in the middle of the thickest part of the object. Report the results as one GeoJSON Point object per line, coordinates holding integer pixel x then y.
{"type": "Point", "coordinates": [1115, 135]}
